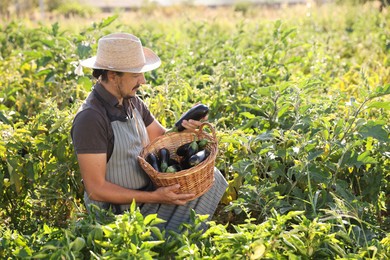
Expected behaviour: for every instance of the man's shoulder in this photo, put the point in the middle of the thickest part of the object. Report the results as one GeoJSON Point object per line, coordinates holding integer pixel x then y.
{"type": "Point", "coordinates": [91, 110]}
{"type": "Point", "coordinates": [89, 114]}
{"type": "Point", "coordinates": [92, 102]}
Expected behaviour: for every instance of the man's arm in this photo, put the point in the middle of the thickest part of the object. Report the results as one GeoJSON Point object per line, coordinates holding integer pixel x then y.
{"type": "Point", "coordinates": [93, 171]}
{"type": "Point", "coordinates": [155, 129]}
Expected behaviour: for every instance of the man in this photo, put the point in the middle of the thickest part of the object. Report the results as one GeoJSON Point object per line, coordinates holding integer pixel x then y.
{"type": "Point", "coordinates": [110, 130]}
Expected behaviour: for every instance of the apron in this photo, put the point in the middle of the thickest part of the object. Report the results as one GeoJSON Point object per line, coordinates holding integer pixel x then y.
{"type": "Point", "coordinates": [123, 169]}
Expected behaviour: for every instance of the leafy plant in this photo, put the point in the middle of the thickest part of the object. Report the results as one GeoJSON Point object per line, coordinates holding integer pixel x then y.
{"type": "Point", "coordinates": [300, 107]}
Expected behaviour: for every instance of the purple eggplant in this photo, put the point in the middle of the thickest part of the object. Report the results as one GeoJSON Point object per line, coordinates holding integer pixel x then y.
{"type": "Point", "coordinates": [153, 161]}
{"type": "Point", "coordinates": [198, 157]}
{"type": "Point", "coordinates": [196, 113]}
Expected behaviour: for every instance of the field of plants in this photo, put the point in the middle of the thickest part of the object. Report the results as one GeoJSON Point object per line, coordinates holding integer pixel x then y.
{"type": "Point", "coordinates": [300, 100]}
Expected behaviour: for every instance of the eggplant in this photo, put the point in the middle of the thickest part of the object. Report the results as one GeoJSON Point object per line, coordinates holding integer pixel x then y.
{"type": "Point", "coordinates": [197, 112]}
{"type": "Point", "coordinates": [163, 154]}
{"type": "Point", "coordinates": [192, 149]}
{"type": "Point", "coordinates": [182, 149]}
{"type": "Point", "coordinates": [173, 168]}
{"type": "Point", "coordinates": [198, 157]}
{"type": "Point", "coordinates": [172, 162]}
{"type": "Point", "coordinates": [152, 160]}
{"type": "Point", "coordinates": [184, 163]}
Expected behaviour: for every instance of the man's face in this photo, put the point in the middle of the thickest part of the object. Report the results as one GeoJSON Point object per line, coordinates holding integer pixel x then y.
{"type": "Point", "coordinates": [129, 83]}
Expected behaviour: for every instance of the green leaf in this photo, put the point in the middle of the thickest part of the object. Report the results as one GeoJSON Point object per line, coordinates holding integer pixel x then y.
{"type": "Point", "coordinates": [250, 123]}
{"type": "Point", "coordinates": [283, 110]}
{"type": "Point", "coordinates": [374, 130]}
{"type": "Point", "coordinates": [48, 43]}
{"type": "Point", "coordinates": [98, 233]}
{"type": "Point", "coordinates": [381, 91]}
{"type": "Point", "coordinates": [157, 233]}
{"type": "Point", "coordinates": [248, 115]}
{"type": "Point", "coordinates": [295, 213]}
{"type": "Point", "coordinates": [298, 243]}
{"type": "Point", "coordinates": [149, 218]}
{"type": "Point", "coordinates": [85, 82]}
{"type": "Point", "coordinates": [50, 77]}
{"type": "Point", "coordinates": [287, 33]}
{"type": "Point", "coordinates": [55, 28]}
{"type": "Point", "coordinates": [289, 244]}
{"type": "Point", "coordinates": [32, 54]}
{"type": "Point", "coordinates": [42, 62]}
{"type": "Point", "coordinates": [265, 91]}
{"type": "Point", "coordinates": [4, 119]}
{"type": "Point", "coordinates": [57, 124]}
{"type": "Point", "coordinates": [253, 107]}
{"type": "Point", "coordinates": [43, 72]}
{"type": "Point", "coordinates": [343, 191]}
{"type": "Point", "coordinates": [78, 244]}
{"type": "Point", "coordinates": [314, 154]}
{"type": "Point", "coordinates": [192, 214]}
{"type": "Point", "coordinates": [106, 22]}
{"type": "Point", "coordinates": [107, 230]}
{"type": "Point", "coordinates": [365, 158]}
{"type": "Point", "coordinates": [378, 104]}
{"type": "Point", "coordinates": [241, 166]}
{"type": "Point", "coordinates": [14, 175]}
{"type": "Point", "coordinates": [133, 206]}
{"type": "Point", "coordinates": [150, 244]}
{"type": "Point", "coordinates": [320, 176]}
{"type": "Point", "coordinates": [265, 136]}
{"type": "Point", "coordinates": [50, 247]}
{"type": "Point", "coordinates": [258, 251]}
{"type": "Point", "coordinates": [83, 51]}
{"type": "Point", "coordinates": [41, 256]}
{"type": "Point", "coordinates": [46, 229]}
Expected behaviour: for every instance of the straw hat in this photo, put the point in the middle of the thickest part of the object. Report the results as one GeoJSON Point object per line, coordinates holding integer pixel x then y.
{"type": "Point", "coordinates": [122, 52]}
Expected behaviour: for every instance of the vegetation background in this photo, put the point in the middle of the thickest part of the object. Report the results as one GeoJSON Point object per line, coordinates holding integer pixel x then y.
{"type": "Point", "coordinates": [299, 97]}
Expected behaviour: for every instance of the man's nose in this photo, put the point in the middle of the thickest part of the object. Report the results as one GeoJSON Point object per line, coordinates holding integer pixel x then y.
{"type": "Point", "coordinates": [142, 79]}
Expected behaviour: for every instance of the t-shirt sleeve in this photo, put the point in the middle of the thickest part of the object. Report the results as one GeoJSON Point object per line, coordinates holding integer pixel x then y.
{"type": "Point", "coordinates": [89, 132]}
{"type": "Point", "coordinates": [147, 117]}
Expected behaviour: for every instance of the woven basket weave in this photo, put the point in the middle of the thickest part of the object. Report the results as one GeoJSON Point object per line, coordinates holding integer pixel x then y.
{"type": "Point", "coordinates": [197, 179]}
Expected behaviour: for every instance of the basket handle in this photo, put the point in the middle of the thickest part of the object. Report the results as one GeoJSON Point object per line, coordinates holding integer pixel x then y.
{"type": "Point", "coordinates": [210, 126]}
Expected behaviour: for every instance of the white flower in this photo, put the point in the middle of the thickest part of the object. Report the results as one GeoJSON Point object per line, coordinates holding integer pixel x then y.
{"type": "Point", "coordinates": [79, 70]}
{"type": "Point", "coordinates": [350, 102]}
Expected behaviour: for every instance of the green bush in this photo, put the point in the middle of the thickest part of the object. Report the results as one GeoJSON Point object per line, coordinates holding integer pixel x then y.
{"type": "Point", "coordinates": [133, 236]}
{"type": "Point", "coordinates": [300, 109]}
{"type": "Point", "coordinates": [75, 9]}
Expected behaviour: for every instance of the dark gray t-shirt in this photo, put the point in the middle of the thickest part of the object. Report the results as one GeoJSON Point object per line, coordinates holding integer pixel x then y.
{"type": "Point", "coordinates": [91, 130]}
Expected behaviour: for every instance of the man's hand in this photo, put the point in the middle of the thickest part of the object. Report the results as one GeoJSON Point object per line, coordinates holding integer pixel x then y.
{"type": "Point", "coordinates": [191, 124]}
{"type": "Point", "coordinates": [171, 195]}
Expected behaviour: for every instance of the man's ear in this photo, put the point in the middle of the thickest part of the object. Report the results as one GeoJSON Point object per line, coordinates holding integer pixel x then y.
{"type": "Point", "coordinates": [111, 75]}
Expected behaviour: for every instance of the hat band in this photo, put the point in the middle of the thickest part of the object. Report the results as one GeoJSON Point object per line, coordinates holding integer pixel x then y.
{"type": "Point", "coordinates": [124, 67]}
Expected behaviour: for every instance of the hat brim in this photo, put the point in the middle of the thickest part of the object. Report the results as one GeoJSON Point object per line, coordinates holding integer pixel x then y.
{"type": "Point", "coordinates": [152, 61]}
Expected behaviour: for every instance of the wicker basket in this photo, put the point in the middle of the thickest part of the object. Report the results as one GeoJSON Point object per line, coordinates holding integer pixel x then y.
{"type": "Point", "coordinates": [197, 179]}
